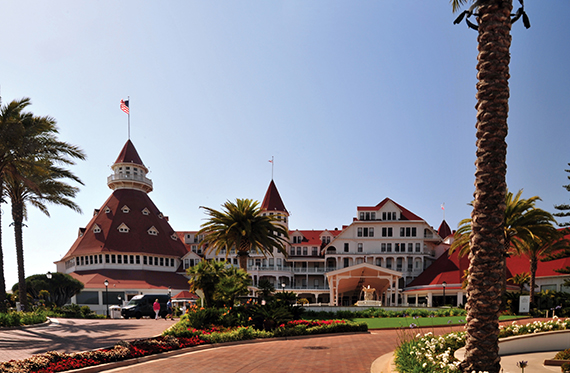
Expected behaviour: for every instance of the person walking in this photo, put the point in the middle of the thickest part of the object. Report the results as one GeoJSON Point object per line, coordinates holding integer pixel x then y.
{"type": "Point", "coordinates": [169, 310]}
{"type": "Point", "coordinates": [156, 308]}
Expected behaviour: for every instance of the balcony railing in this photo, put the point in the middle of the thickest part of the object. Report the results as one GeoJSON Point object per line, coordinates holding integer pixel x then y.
{"type": "Point", "coordinates": [291, 269]}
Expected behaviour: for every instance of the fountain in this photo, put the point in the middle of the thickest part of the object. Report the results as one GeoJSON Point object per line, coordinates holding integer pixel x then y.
{"type": "Point", "coordinates": [368, 298]}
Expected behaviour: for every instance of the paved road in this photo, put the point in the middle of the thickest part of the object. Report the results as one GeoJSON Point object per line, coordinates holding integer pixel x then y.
{"type": "Point", "coordinates": [75, 335]}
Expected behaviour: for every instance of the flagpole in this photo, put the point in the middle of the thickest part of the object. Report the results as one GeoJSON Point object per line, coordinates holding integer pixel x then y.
{"type": "Point", "coordinates": [272, 165]}
{"type": "Point", "coordinates": [129, 116]}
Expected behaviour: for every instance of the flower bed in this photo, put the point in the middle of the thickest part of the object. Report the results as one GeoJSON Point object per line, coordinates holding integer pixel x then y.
{"type": "Point", "coordinates": [54, 361]}
{"type": "Point", "coordinates": [428, 353]}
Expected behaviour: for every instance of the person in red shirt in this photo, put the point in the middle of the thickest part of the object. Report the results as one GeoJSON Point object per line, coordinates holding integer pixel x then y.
{"type": "Point", "coordinates": [156, 308]}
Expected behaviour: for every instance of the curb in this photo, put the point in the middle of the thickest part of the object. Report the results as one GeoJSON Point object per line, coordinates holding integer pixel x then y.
{"type": "Point", "coordinates": [384, 364]}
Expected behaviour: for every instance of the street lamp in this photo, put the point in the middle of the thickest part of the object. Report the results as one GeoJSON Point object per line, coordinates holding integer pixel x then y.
{"type": "Point", "coordinates": [49, 275]}
{"type": "Point", "coordinates": [444, 284]}
{"type": "Point", "coordinates": [283, 286]}
{"type": "Point", "coordinates": [107, 296]}
{"type": "Point", "coordinates": [169, 292]}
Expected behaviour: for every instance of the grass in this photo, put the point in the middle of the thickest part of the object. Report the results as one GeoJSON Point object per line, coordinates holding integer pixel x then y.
{"type": "Point", "coordinates": [406, 322]}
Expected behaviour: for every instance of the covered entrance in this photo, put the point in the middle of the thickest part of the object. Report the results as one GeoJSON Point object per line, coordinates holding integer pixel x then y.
{"type": "Point", "coordinates": [346, 284]}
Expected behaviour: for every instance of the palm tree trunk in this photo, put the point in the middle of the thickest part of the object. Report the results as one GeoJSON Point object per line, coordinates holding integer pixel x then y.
{"type": "Point", "coordinates": [533, 267]}
{"type": "Point", "coordinates": [3, 307]}
{"type": "Point", "coordinates": [242, 257]}
{"type": "Point", "coordinates": [487, 234]}
{"type": "Point", "coordinates": [18, 215]}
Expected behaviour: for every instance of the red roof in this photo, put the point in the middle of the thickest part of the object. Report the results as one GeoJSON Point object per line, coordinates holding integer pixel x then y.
{"type": "Point", "coordinates": [313, 237]}
{"type": "Point", "coordinates": [137, 240]}
{"type": "Point", "coordinates": [272, 200]}
{"type": "Point", "coordinates": [444, 230]}
{"type": "Point", "coordinates": [129, 279]}
{"type": "Point", "coordinates": [185, 295]}
{"type": "Point", "coordinates": [407, 214]}
{"type": "Point", "coordinates": [129, 155]}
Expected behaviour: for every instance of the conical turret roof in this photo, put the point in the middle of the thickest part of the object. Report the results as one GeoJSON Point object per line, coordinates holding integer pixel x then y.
{"type": "Point", "coordinates": [129, 154]}
{"type": "Point", "coordinates": [272, 200]}
{"type": "Point", "coordinates": [444, 230]}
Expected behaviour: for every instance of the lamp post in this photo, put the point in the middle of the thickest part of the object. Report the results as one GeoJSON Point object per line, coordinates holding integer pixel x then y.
{"type": "Point", "coordinates": [444, 284]}
{"type": "Point", "coordinates": [283, 286]}
{"type": "Point", "coordinates": [107, 296]}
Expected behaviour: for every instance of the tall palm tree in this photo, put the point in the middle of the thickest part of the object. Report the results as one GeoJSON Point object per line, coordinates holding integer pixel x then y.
{"type": "Point", "coordinates": [205, 276]}
{"type": "Point", "coordinates": [487, 235]}
{"type": "Point", "coordinates": [34, 173]}
{"type": "Point", "coordinates": [242, 226]}
{"type": "Point", "coordinates": [537, 248]}
{"type": "Point", "coordinates": [11, 146]}
{"type": "Point", "coordinates": [49, 188]}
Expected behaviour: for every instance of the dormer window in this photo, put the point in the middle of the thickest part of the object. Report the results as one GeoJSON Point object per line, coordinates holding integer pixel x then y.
{"type": "Point", "coordinates": [125, 209]}
{"type": "Point", "coordinates": [174, 237]}
{"type": "Point", "coordinates": [123, 228]}
{"type": "Point", "coordinates": [96, 229]}
{"type": "Point", "coordinates": [160, 215]}
{"type": "Point", "coordinates": [145, 211]}
{"type": "Point", "coordinates": [153, 231]}
{"type": "Point", "coordinates": [107, 210]}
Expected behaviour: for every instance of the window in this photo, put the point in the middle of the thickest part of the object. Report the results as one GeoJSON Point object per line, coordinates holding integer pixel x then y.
{"type": "Point", "coordinates": [107, 210]}
{"type": "Point", "coordinates": [386, 231]}
{"type": "Point", "coordinates": [371, 232]}
{"type": "Point", "coordinates": [90, 259]}
{"type": "Point", "coordinates": [359, 232]}
{"type": "Point", "coordinates": [172, 262]}
{"type": "Point", "coordinates": [155, 261]}
{"type": "Point", "coordinates": [410, 247]}
{"type": "Point", "coordinates": [144, 260]}
{"type": "Point", "coordinates": [131, 259]}
{"type": "Point", "coordinates": [414, 232]}
{"type": "Point", "coordinates": [418, 248]}
{"type": "Point", "coordinates": [299, 250]}
{"type": "Point", "coordinates": [388, 216]}
{"type": "Point", "coordinates": [145, 211]}
{"type": "Point", "coordinates": [292, 251]}
{"type": "Point", "coordinates": [113, 259]}
{"type": "Point", "coordinates": [305, 250]}
{"type": "Point", "coordinates": [326, 239]}
{"type": "Point", "coordinates": [101, 258]}
{"type": "Point", "coordinates": [361, 216]}
{"type": "Point", "coordinates": [87, 297]}
{"type": "Point", "coordinates": [161, 262]}
{"type": "Point", "coordinates": [389, 247]}
{"type": "Point", "coordinates": [359, 248]}
{"type": "Point", "coordinates": [345, 262]}
{"type": "Point", "coordinates": [138, 259]}
{"type": "Point", "coordinates": [346, 249]}
{"type": "Point", "coordinates": [119, 259]}
{"type": "Point", "coordinates": [106, 258]}
{"type": "Point", "coordinates": [123, 228]}
{"type": "Point", "coordinates": [383, 247]}
{"type": "Point", "coordinates": [125, 209]}
{"type": "Point", "coordinates": [372, 216]}
{"type": "Point", "coordinates": [315, 251]}
{"type": "Point", "coordinates": [153, 231]}
{"type": "Point", "coordinates": [96, 229]}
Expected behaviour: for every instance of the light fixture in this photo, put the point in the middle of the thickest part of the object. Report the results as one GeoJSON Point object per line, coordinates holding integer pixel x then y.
{"type": "Point", "coordinates": [49, 275]}
{"type": "Point", "coordinates": [107, 296]}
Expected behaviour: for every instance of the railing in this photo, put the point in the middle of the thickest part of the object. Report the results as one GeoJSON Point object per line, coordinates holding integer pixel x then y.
{"type": "Point", "coordinates": [292, 269]}
{"type": "Point", "coordinates": [121, 177]}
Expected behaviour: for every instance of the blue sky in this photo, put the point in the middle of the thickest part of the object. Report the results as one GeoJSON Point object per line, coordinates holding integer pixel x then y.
{"type": "Point", "coordinates": [357, 101]}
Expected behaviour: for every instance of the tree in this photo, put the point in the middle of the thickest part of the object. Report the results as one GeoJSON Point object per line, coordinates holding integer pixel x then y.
{"type": "Point", "coordinates": [61, 287]}
{"type": "Point", "coordinates": [487, 235]}
{"type": "Point", "coordinates": [521, 279]}
{"type": "Point", "coordinates": [563, 208]}
{"type": "Point", "coordinates": [35, 177]}
{"type": "Point", "coordinates": [205, 276]}
{"type": "Point", "coordinates": [221, 283]}
{"type": "Point", "coordinates": [539, 247]}
{"type": "Point", "coordinates": [242, 226]}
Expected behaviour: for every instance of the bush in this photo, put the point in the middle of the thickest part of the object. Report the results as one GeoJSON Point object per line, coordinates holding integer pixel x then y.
{"type": "Point", "coordinates": [12, 319]}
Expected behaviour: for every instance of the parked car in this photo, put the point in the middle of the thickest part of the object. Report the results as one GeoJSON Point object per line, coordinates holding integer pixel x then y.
{"type": "Point", "coordinates": [141, 305]}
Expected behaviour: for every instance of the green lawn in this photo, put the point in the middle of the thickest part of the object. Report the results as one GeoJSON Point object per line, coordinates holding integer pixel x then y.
{"type": "Point", "coordinates": [406, 322]}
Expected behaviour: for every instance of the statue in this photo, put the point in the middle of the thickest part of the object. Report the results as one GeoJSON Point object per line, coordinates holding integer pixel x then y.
{"type": "Point", "coordinates": [368, 292]}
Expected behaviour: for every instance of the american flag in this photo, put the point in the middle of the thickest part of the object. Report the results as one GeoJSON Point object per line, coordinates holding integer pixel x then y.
{"type": "Point", "coordinates": [125, 106]}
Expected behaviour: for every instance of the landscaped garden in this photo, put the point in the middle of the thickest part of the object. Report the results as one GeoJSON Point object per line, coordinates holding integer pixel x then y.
{"type": "Point", "coordinates": [429, 353]}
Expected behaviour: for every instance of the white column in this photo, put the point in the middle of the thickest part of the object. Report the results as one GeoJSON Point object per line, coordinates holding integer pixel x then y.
{"type": "Point", "coordinates": [459, 297]}
{"type": "Point", "coordinates": [397, 291]}
{"type": "Point", "coordinates": [429, 303]}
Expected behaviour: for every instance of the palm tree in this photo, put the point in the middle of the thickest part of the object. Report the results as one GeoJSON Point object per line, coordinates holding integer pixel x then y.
{"type": "Point", "coordinates": [205, 276]}
{"type": "Point", "coordinates": [11, 146]}
{"type": "Point", "coordinates": [33, 173]}
{"type": "Point", "coordinates": [487, 234]}
{"type": "Point", "coordinates": [242, 226]}
{"type": "Point", "coordinates": [537, 248]}
{"type": "Point", "coordinates": [521, 279]}
{"type": "Point", "coordinates": [48, 188]}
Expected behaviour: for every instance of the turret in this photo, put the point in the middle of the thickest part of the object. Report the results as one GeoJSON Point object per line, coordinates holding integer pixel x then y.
{"type": "Point", "coordinates": [129, 172]}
